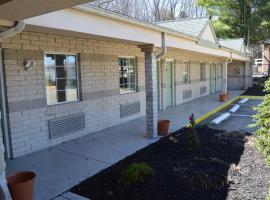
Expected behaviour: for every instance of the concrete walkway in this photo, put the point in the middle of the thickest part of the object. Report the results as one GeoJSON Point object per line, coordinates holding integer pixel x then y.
{"type": "Point", "coordinates": [63, 166]}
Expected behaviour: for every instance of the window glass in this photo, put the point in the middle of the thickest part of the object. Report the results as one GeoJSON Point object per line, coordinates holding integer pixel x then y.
{"type": "Point", "coordinates": [127, 75]}
{"type": "Point", "coordinates": [202, 72]}
{"type": "Point", "coordinates": [186, 73]}
{"type": "Point", "coordinates": [61, 78]}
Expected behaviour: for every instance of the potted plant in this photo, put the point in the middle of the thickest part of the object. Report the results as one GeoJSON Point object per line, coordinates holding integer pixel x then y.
{"type": "Point", "coordinates": [21, 185]}
{"type": "Point", "coordinates": [223, 97]}
{"type": "Point", "coordinates": [163, 127]}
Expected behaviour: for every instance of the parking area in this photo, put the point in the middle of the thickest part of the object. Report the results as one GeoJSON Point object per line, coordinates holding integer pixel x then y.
{"type": "Point", "coordinates": [237, 121]}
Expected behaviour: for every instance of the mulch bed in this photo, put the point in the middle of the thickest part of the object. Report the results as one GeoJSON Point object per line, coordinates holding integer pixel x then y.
{"type": "Point", "coordinates": [214, 172]}
{"type": "Point", "coordinates": [257, 88]}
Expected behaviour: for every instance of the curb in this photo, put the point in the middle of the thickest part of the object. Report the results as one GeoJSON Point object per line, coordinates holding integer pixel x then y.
{"type": "Point", "coordinates": [252, 97]}
{"type": "Point", "coordinates": [216, 110]}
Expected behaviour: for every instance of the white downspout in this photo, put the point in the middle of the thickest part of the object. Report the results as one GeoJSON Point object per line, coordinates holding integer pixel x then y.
{"type": "Point", "coordinates": [3, 107]}
{"type": "Point", "coordinates": [4, 192]}
{"type": "Point", "coordinates": [20, 25]}
{"type": "Point", "coordinates": [164, 47]}
{"type": "Point", "coordinates": [225, 86]}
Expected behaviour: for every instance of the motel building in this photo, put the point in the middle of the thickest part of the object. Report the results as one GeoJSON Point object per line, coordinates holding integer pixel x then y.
{"type": "Point", "coordinates": [67, 71]}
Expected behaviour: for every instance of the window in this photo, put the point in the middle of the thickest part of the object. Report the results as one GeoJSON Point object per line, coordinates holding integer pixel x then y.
{"type": "Point", "coordinates": [61, 74]}
{"type": "Point", "coordinates": [187, 79]}
{"type": "Point", "coordinates": [221, 74]}
{"type": "Point", "coordinates": [127, 75]}
{"type": "Point", "coordinates": [202, 72]}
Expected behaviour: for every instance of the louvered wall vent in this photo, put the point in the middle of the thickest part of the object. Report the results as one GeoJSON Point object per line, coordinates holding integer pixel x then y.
{"type": "Point", "coordinates": [203, 90]}
{"type": "Point", "coordinates": [129, 109]}
{"type": "Point", "coordinates": [187, 94]}
{"type": "Point", "coordinates": [65, 125]}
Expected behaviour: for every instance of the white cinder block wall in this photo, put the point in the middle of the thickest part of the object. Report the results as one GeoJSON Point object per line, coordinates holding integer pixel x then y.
{"type": "Point", "coordinates": [179, 57]}
{"type": "Point", "coordinates": [99, 77]}
{"type": "Point", "coordinates": [26, 92]}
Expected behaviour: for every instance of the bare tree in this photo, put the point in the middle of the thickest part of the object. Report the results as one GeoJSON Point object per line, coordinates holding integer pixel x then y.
{"type": "Point", "coordinates": [153, 10]}
{"type": "Point", "coordinates": [102, 3]}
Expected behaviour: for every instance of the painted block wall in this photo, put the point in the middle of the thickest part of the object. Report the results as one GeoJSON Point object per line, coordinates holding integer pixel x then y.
{"type": "Point", "coordinates": [26, 92]}
{"type": "Point", "coordinates": [100, 101]}
{"type": "Point", "coordinates": [179, 57]}
{"type": "Point", "coordinates": [236, 76]}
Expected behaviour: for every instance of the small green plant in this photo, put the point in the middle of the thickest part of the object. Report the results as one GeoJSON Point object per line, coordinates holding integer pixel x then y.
{"type": "Point", "coordinates": [262, 135]}
{"type": "Point", "coordinates": [268, 194]}
{"type": "Point", "coordinates": [193, 141]}
{"type": "Point", "coordinates": [135, 173]}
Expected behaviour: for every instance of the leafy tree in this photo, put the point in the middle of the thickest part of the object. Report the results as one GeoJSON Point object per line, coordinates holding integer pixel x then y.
{"type": "Point", "coordinates": [263, 122]}
{"type": "Point", "coordinates": [248, 19]}
{"type": "Point", "coordinates": [261, 21]}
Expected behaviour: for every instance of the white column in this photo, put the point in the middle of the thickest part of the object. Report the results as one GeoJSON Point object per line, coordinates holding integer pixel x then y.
{"type": "Point", "coordinates": [151, 91]}
{"type": "Point", "coordinates": [225, 78]}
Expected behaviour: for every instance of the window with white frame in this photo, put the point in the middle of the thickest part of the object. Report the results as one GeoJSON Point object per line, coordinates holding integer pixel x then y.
{"type": "Point", "coordinates": [222, 71]}
{"type": "Point", "coordinates": [202, 72]}
{"type": "Point", "coordinates": [186, 73]}
{"type": "Point", "coordinates": [127, 75]}
{"type": "Point", "coordinates": [61, 74]}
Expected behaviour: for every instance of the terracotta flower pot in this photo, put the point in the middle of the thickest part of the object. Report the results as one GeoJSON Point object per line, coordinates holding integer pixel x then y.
{"type": "Point", "coordinates": [21, 185]}
{"type": "Point", "coordinates": [163, 127]}
{"type": "Point", "coordinates": [223, 97]}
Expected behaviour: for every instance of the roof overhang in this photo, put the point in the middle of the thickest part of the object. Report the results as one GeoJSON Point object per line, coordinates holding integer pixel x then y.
{"type": "Point", "coordinates": [15, 10]}
{"type": "Point", "coordinates": [98, 24]}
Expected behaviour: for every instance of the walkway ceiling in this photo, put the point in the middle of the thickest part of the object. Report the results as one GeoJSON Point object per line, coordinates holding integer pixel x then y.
{"type": "Point", "coordinates": [14, 10]}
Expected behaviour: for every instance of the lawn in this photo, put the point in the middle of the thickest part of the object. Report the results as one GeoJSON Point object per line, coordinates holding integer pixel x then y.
{"type": "Point", "coordinates": [225, 166]}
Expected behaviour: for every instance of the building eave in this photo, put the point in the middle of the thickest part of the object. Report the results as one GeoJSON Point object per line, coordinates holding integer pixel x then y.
{"type": "Point", "coordinates": [132, 21]}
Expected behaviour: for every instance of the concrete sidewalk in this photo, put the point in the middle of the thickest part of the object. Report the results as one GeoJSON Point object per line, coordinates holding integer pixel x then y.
{"type": "Point", "coordinates": [63, 166]}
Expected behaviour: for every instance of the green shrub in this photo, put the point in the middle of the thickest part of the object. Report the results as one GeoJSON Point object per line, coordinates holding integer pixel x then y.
{"type": "Point", "coordinates": [193, 141]}
{"type": "Point", "coordinates": [262, 135]}
{"type": "Point", "coordinates": [268, 194]}
{"type": "Point", "coordinates": [135, 173]}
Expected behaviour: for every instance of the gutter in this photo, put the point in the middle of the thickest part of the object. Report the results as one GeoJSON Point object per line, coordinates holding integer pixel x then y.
{"type": "Point", "coordinates": [231, 51]}
{"type": "Point", "coordinates": [19, 27]}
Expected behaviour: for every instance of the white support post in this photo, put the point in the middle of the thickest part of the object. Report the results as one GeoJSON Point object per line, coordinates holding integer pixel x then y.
{"type": "Point", "coordinates": [151, 90]}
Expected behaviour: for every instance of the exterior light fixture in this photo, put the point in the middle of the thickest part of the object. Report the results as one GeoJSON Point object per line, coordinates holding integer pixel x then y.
{"type": "Point", "coordinates": [28, 63]}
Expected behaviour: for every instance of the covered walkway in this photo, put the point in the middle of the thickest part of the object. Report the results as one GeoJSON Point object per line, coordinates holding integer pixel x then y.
{"type": "Point", "coordinates": [63, 166]}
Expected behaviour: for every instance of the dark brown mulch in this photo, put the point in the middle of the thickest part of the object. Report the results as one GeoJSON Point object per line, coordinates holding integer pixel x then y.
{"type": "Point", "coordinates": [257, 87]}
{"type": "Point", "coordinates": [213, 172]}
